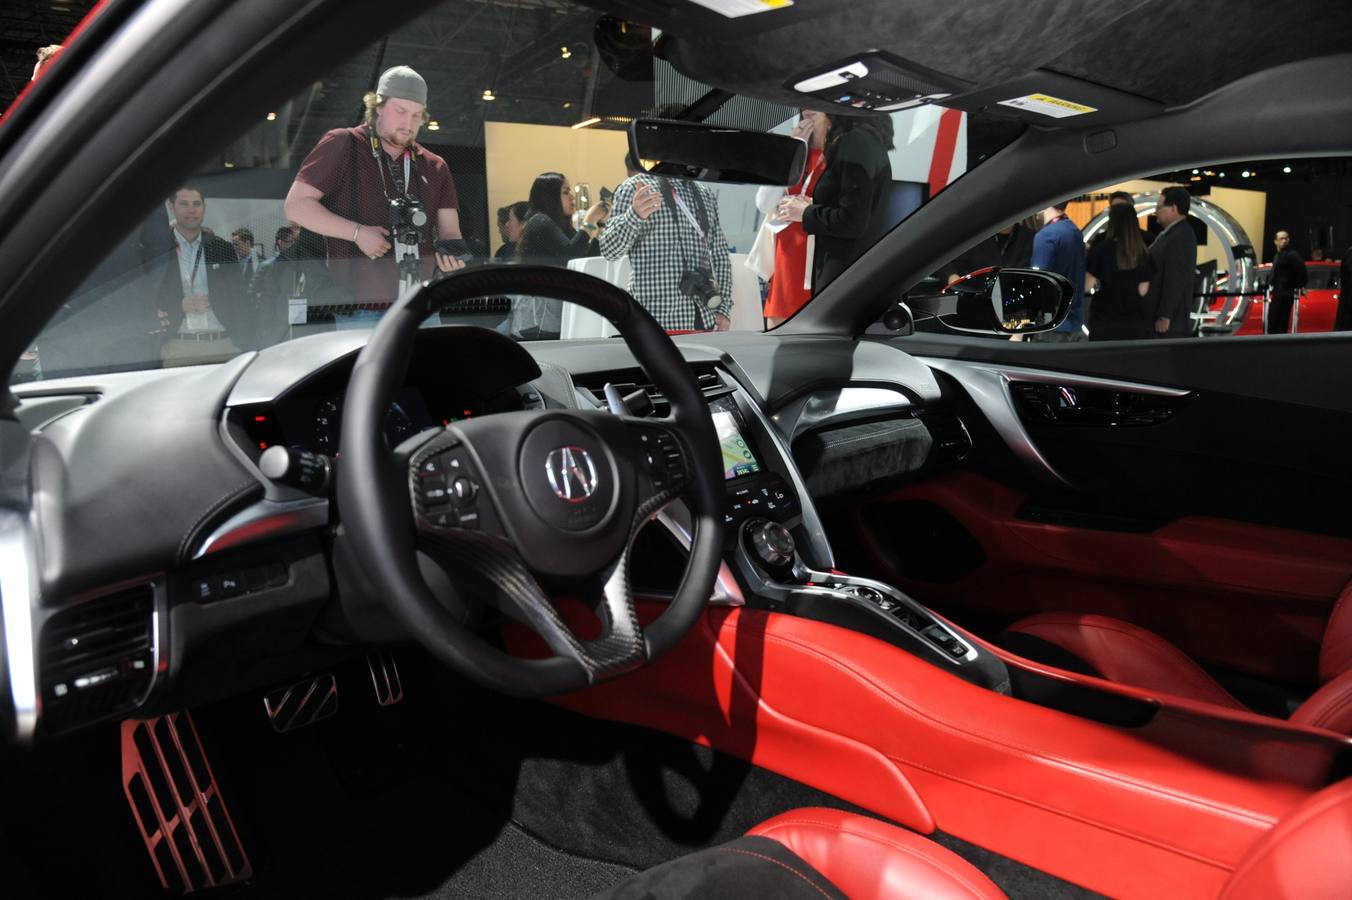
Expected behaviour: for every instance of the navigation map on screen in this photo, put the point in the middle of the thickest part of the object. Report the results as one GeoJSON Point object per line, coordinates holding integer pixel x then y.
{"type": "Point", "coordinates": [738, 460]}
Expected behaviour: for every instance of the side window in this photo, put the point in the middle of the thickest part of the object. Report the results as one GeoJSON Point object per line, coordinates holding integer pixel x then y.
{"type": "Point", "coordinates": [1218, 251]}
{"type": "Point", "coordinates": [1266, 239]}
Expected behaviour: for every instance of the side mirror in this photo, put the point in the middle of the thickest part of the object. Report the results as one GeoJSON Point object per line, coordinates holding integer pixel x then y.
{"type": "Point", "coordinates": [1007, 301]}
{"type": "Point", "coordinates": [701, 152]}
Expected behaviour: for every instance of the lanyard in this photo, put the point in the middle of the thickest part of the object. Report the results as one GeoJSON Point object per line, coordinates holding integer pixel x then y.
{"type": "Point", "coordinates": [383, 159]}
{"type": "Point", "coordinates": [197, 261]}
{"type": "Point", "coordinates": [694, 222]}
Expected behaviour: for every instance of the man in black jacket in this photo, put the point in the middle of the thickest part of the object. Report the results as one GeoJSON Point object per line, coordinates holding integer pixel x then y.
{"type": "Point", "coordinates": [1343, 319]}
{"type": "Point", "coordinates": [201, 302]}
{"type": "Point", "coordinates": [1288, 276]}
{"type": "Point", "coordinates": [1174, 253]}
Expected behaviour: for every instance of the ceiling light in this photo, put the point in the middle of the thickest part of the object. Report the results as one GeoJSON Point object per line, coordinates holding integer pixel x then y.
{"type": "Point", "coordinates": [568, 105]}
{"type": "Point", "coordinates": [272, 117]}
{"type": "Point", "coordinates": [1245, 174]}
{"type": "Point", "coordinates": [1286, 169]}
{"type": "Point", "coordinates": [585, 123]}
{"type": "Point", "coordinates": [433, 125]}
{"type": "Point", "coordinates": [229, 165]}
{"type": "Point", "coordinates": [489, 95]}
{"type": "Point", "coordinates": [1195, 172]}
{"type": "Point", "coordinates": [1208, 172]}
{"type": "Point", "coordinates": [1222, 174]}
{"type": "Point", "coordinates": [565, 52]}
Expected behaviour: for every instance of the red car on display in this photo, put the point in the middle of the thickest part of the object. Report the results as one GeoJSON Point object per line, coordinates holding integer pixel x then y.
{"type": "Point", "coordinates": [1314, 311]}
{"type": "Point", "coordinates": [399, 599]}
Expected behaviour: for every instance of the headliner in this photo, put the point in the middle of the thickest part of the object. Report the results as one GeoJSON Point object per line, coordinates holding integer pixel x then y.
{"type": "Point", "coordinates": [1162, 50]}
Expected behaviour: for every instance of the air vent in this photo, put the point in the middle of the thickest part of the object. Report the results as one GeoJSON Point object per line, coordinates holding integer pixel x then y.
{"type": "Point", "coordinates": [630, 380]}
{"type": "Point", "coordinates": [98, 658]}
{"type": "Point", "coordinates": [951, 439]}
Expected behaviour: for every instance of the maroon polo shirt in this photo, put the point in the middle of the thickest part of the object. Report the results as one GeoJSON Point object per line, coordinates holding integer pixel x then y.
{"type": "Point", "coordinates": [328, 170]}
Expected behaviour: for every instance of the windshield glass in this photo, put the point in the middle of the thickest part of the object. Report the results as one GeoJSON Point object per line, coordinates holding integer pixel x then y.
{"type": "Point", "coordinates": [491, 133]}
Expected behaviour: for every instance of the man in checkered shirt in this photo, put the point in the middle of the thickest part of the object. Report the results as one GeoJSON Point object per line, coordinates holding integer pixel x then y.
{"type": "Point", "coordinates": [667, 230]}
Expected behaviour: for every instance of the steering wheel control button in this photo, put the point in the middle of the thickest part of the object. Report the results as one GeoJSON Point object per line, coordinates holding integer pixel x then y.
{"type": "Point", "coordinates": [662, 457]}
{"type": "Point", "coordinates": [463, 492]}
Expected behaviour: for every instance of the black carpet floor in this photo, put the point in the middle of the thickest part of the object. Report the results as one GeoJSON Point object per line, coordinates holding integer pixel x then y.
{"type": "Point", "coordinates": [453, 793]}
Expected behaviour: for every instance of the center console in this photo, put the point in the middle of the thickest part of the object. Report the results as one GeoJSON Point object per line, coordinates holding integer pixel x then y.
{"type": "Point", "coordinates": [776, 550]}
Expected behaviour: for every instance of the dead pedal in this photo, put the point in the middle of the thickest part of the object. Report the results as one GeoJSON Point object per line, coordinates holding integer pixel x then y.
{"type": "Point", "coordinates": [178, 806]}
{"type": "Point", "coordinates": [385, 678]}
{"type": "Point", "coordinates": [302, 703]}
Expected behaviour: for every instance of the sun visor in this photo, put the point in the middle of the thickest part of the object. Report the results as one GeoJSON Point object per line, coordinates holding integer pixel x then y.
{"type": "Point", "coordinates": [876, 81]}
{"type": "Point", "coordinates": [1053, 100]}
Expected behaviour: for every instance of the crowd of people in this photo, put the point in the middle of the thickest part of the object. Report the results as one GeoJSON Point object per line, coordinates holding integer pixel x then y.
{"type": "Point", "coordinates": [1130, 283]}
{"type": "Point", "coordinates": [372, 211]}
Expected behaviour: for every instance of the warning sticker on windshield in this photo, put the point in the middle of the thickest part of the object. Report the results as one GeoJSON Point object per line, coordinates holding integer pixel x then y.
{"type": "Point", "coordinates": [735, 9]}
{"type": "Point", "coordinates": [1049, 106]}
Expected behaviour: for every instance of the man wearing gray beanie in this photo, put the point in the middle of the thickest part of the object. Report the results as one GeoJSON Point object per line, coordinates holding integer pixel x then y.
{"type": "Point", "coordinates": [359, 183]}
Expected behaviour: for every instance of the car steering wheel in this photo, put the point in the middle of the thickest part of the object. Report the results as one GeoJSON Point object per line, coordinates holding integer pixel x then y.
{"type": "Point", "coordinates": [521, 498]}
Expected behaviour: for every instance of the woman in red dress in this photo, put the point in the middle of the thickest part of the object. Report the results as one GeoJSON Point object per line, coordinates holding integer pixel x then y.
{"type": "Point", "coordinates": [790, 286]}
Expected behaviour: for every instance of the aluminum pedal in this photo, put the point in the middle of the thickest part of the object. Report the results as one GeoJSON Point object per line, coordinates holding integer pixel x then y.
{"type": "Point", "coordinates": [385, 677]}
{"type": "Point", "coordinates": [302, 703]}
{"type": "Point", "coordinates": [178, 806]}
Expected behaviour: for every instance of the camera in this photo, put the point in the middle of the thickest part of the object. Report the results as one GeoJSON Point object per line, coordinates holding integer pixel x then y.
{"type": "Point", "coordinates": [699, 284]}
{"type": "Point", "coordinates": [407, 217]}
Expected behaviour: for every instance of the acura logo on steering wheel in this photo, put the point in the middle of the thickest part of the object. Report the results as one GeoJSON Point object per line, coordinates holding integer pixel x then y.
{"type": "Point", "coordinates": [572, 474]}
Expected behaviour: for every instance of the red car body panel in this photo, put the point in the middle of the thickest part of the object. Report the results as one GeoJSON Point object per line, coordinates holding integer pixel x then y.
{"type": "Point", "coordinates": [1318, 305]}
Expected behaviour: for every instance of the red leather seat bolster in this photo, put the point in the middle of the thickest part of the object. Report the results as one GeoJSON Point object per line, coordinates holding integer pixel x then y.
{"type": "Point", "coordinates": [868, 858]}
{"type": "Point", "coordinates": [1329, 707]}
{"type": "Point", "coordinates": [1307, 855]}
{"type": "Point", "coordinates": [1124, 653]}
{"type": "Point", "coordinates": [1335, 650]}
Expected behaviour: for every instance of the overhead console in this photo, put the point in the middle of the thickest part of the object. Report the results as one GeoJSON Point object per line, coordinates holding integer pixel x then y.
{"type": "Point", "coordinates": [883, 82]}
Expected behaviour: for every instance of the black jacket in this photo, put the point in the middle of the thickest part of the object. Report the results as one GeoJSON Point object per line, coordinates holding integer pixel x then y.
{"type": "Point", "coordinates": [846, 211]}
{"type": "Point", "coordinates": [225, 286]}
{"type": "Point", "coordinates": [1288, 271]}
{"type": "Point", "coordinates": [544, 243]}
{"type": "Point", "coordinates": [1171, 293]}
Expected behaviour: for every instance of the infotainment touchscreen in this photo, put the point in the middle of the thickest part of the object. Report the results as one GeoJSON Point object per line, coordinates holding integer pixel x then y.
{"type": "Point", "coordinates": [738, 458]}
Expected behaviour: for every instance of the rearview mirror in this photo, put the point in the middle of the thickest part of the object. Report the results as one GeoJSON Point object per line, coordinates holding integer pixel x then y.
{"type": "Point", "coordinates": [713, 153]}
{"type": "Point", "coordinates": [1007, 301]}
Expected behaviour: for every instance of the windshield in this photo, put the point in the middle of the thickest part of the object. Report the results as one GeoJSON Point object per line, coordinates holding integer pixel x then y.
{"type": "Point", "coordinates": [490, 134]}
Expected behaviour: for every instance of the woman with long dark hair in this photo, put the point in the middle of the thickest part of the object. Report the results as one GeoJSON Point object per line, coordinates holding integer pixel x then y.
{"type": "Point", "coordinates": [843, 216]}
{"type": "Point", "coordinates": [549, 237]}
{"type": "Point", "coordinates": [1122, 268]}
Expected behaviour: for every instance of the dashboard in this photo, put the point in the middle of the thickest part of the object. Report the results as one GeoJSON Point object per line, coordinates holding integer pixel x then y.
{"type": "Point", "coordinates": [148, 498]}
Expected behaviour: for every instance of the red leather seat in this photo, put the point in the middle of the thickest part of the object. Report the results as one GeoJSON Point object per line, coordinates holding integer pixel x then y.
{"type": "Point", "coordinates": [867, 858]}
{"type": "Point", "coordinates": [1119, 651]}
{"type": "Point", "coordinates": [1306, 856]}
